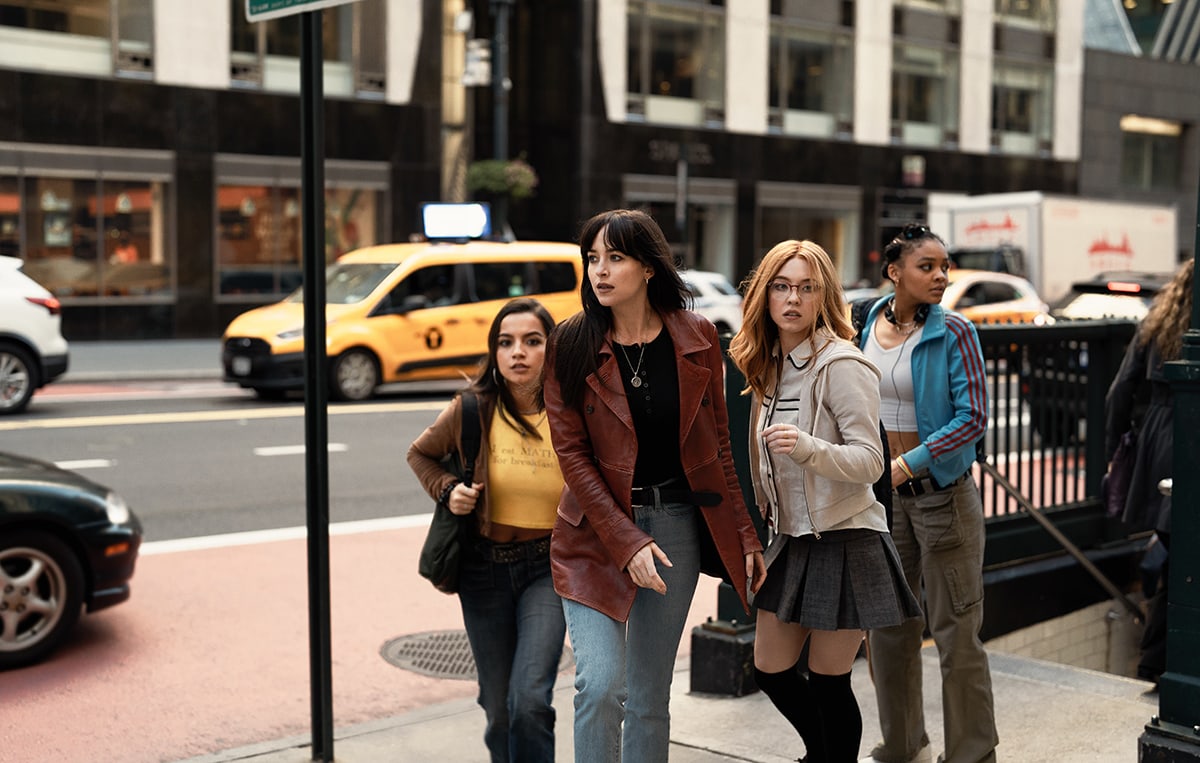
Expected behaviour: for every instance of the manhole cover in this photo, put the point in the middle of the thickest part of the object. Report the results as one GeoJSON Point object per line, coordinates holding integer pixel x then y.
{"type": "Point", "coordinates": [442, 654]}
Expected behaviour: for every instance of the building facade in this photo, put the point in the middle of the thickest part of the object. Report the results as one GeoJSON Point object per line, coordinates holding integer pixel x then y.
{"type": "Point", "coordinates": [739, 123]}
{"type": "Point", "coordinates": [150, 151]}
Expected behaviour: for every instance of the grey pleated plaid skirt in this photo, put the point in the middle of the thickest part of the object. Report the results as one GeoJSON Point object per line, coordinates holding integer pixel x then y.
{"type": "Point", "coordinates": [847, 580]}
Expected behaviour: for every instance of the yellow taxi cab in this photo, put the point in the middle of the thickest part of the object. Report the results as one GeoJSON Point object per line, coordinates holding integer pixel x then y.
{"type": "Point", "coordinates": [986, 297]}
{"type": "Point", "coordinates": [401, 312]}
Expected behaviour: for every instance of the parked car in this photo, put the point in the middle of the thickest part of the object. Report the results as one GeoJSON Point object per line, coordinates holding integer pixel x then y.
{"type": "Point", "coordinates": [1053, 383]}
{"type": "Point", "coordinates": [715, 298]}
{"type": "Point", "coordinates": [1121, 294]}
{"type": "Point", "coordinates": [33, 351]}
{"type": "Point", "coordinates": [66, 544]}
{"type": "Point", "coordinates": [986, 297]}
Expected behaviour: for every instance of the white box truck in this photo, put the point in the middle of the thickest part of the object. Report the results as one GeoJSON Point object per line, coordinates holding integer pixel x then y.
{"type": "Point", "coordinates": [1063, 239]}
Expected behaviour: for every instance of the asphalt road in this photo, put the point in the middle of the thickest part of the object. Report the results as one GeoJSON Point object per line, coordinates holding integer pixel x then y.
{"type": "Point", "coordinates": [196, 459]}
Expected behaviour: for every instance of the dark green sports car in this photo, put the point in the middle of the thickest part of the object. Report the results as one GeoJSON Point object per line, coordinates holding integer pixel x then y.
{"type": "Point", "coordinates": [66, 543]}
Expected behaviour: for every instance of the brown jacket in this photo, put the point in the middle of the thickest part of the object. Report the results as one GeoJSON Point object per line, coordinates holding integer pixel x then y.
{"type": "Point", "coordinates": [443, 437]}
{"type": "Point", "coordinates": [595, 535]}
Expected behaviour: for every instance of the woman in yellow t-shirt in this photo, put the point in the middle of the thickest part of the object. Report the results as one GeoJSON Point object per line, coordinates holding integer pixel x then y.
{"type": "Point", "coordinates": [513, 617]}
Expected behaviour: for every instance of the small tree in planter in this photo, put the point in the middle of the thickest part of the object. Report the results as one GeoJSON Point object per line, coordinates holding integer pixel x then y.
{"type": "Point", "coordinates": [497, 181]}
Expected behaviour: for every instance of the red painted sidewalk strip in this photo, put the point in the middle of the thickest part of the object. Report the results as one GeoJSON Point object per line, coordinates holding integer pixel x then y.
{"type": "Point", "coordinates": [211, 653]}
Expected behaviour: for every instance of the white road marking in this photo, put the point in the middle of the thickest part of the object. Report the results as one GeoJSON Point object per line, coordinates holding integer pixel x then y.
{"type": "Point", "coordinates": [191, 417]}
{"type": "Point", "coordinates": [283, 533]}
{"type": "Point", "coordinates": [297, 450]}
{"type": "Point", "coordinates": [86, 463]}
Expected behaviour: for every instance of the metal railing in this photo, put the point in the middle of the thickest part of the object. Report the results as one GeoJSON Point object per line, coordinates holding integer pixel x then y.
{"type": "Point", "coordinates": [1047, 386]}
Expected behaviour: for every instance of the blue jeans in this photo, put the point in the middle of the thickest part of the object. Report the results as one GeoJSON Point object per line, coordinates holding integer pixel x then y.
{"type": "Point", "coordinates": [514, 622]}
{"type": "Point", "coordinates": [940, 538]}
{"type": "Point", "coordinates": [623, 671]}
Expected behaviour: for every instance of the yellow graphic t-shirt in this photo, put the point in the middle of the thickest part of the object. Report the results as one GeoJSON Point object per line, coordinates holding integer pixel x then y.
{"type": "Point", "coordinates": [524, 481]}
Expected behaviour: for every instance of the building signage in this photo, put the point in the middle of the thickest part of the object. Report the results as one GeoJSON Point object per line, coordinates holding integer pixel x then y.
{"type": "Point", "coordinates": [261, 10]}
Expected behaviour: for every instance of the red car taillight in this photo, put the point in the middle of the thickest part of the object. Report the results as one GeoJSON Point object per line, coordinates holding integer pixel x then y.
{"type": "Point", "coordinates": [50, 303]}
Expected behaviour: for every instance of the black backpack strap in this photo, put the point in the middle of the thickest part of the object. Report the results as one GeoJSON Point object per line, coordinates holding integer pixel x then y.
{"type": "Point", "coordinates": [471, 434]}
{"type": "Point", "coordinates": [859, 309]}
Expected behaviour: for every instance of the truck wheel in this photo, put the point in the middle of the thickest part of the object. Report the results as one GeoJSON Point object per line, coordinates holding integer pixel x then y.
{"type": "Point", "coordinates": [354, 375]}
{"type": "Point", "coordinates": [41, 596]}
{"type": "Point", "coordinates": [18, 378]}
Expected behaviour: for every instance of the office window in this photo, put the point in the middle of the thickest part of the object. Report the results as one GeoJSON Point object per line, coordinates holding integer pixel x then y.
{"type": "Point", "coordinates": [1151, 154]}
{"type": "Point", "coordinates": [676, 62]}
{"type": "Point", "coordinates": [259, 214]}
{"type": "Point", "coordinates": [811, 80]}
{"type": "Point", "coordinates": [93, 37]}
{"type": "Point", "coordinates": [266, 54]}
{"type": "Point", "coordinates": [925, 96]}
{"type": "Point", "coordinates": [1022, 108]}
{"type": "Point", "coordinates": [1035, 13]}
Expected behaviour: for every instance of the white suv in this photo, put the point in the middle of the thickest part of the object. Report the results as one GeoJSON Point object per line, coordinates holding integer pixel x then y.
{"type": "Point", "coordinates": [715, 298]}
{"type": "Point", "coordinates": [32, 348]}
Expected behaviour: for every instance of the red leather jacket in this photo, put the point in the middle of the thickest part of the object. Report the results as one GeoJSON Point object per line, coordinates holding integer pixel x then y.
{"type": "Point", "coordinates": [595, 535]}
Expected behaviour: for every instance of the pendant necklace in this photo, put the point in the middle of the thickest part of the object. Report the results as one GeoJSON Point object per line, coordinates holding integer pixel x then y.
{"type": "Point", "coordinates": [636, 381]}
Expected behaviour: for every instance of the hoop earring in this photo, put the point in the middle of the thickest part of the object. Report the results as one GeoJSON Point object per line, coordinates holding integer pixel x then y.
{"type": "Point", "coordinates": [497, 378]}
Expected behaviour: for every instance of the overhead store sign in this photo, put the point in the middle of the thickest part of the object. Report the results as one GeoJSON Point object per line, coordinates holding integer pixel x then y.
{"type": "Point", "coordinates": [261, 10]}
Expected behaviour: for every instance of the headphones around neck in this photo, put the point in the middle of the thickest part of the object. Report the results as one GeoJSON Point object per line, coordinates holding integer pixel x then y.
{"type": "Point", "coordinates": [919, 316]}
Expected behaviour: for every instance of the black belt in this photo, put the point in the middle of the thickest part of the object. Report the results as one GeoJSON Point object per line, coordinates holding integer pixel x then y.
{"type": "Point", "coordinates": [656, 495]}
{"type": "Point", "coordinates": [521, 550]}
{"type": "Point", "coordinates": [923, 485]}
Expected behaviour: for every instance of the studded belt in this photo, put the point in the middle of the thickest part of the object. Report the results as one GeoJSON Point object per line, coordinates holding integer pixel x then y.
{"type": "Point", "coordinates": [521, 550]}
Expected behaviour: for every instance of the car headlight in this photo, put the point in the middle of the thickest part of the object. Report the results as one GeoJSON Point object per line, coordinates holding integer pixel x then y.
{"type": "Point", "coordinates": [116, 509]}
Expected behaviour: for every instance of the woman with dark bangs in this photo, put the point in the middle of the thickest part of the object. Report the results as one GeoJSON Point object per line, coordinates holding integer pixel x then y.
{"type": "Point", "coordinates": [636, 397]}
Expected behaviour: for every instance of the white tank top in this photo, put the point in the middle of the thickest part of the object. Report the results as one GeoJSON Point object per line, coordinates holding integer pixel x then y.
{"type": "Point", "coordinates": [897, 407]}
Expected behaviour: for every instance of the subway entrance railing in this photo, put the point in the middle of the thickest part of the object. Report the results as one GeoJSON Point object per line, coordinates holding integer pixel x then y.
{"type": "Point", "coordinates": [1044, 448]}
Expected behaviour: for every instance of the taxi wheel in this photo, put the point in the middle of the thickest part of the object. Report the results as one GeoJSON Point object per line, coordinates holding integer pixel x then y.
{"type": "Point", "coordinates": [355, 375]}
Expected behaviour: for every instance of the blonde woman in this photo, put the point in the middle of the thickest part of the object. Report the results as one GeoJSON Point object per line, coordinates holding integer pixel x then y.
{"type": "Point", "coordinates": [815, 452]}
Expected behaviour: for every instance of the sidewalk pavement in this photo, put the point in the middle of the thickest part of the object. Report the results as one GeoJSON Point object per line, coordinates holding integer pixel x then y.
{"type": "Point", "coordinates": [1044, 711]}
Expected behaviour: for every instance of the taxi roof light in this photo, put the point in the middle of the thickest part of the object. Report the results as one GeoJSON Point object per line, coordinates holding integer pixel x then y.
{"type": "Point", "coordinates": [1126, 287]}
{"type": "Point", "coordinates": [456, 222]}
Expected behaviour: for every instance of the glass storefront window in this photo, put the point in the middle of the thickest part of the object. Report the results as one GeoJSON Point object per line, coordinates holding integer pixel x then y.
{"type": "Point", "coordinates": [84, 238]}
{"type": "Point", "coordinates": [811, 80]}
{"type": "Point", "coordinates": [260, 239]}
{"type": "Point", "coordinates": [676, 71]}
{"type": "Point", "coordinates": [10, 218]}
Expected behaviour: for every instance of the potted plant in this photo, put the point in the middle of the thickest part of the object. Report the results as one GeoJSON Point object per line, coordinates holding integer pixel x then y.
{"type": "Point", "coordinates": [513, 178]}
{"type": "Point", "coordinates": [498, 181]}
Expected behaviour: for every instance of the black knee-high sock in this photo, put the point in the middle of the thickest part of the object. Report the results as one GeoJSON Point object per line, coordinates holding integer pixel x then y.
{"type": "Point", "coordinates": [790, 693]}
{"type": "Point", "coordinates": [841, 720]}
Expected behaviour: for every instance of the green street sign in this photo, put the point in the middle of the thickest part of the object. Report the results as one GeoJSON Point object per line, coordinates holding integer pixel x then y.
{"type": "Point", "coordinates": [261, 10]}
